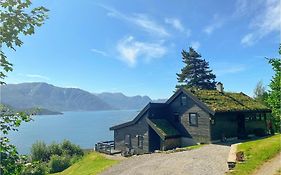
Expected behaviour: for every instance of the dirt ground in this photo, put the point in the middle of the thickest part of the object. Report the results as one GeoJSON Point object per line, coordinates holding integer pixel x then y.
{"type": "Point", "coordinates": [207, 160]}
{"type": "Point", "coordinates": [270, 167]}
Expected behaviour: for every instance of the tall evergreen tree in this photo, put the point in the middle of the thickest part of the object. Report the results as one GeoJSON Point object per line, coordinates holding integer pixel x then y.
{"type": "Point", "coordinates": [196, 73]}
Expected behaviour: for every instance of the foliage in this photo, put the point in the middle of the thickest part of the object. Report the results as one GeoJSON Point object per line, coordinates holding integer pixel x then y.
{"type": "Point", "coordinates": [71, 149]}
{"type": "Point", "coordinates": [57, 156]}
{"type": "Point", "coordinates": [257, 152]}
{"type": "Point", "coordinates": [228, 101]}
{"type": "Point", "coordinates": [10, 159]}
{"type": "Point", "coordinates": [55, 149]}
{"type": "Point", "coordinates": [196, 72]}
{"type": "Point", "coordinates": [59, 163]}
{"type": "Point", "coordinates": [92, 163]}
{"type": "Point", "coordinates": [16, 19]}
{"type": "Point", "coordinates": [40, 152]}
{"type": "Point", "coordinates": [36, 168]}
{"type": "Point", "coordinates": [274, 96]}
{"type": "Point", "coordinates": [260, 93]}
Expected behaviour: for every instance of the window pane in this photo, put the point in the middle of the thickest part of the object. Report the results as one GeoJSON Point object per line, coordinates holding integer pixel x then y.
{"type": "Point", "coordinates": [193, 119]}
{"type": "Point", "coordinates": [183, 100]}
{"type": "Point", "coordinates": [140, 141]}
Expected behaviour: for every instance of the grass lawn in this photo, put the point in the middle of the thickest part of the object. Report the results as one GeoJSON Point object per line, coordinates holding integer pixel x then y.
{"type": "Point", "coordinates": [256, 153]}
{"type": "Point", "coordinates": [91, 164]}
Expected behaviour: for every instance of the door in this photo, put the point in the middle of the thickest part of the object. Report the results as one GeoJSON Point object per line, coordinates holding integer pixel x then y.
{"type": "Point", "coordinates": [154, 140]}
{"type": "Point", "coordinates": [241, 131]}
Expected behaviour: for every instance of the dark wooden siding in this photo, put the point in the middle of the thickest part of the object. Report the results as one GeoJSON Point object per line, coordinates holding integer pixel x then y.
{"type": "Point", "coordinates": [200, 133]}
{"type": "Point", "coordinates": [140, 128]}
{"type": "Point", "coordinates": [225, 123]}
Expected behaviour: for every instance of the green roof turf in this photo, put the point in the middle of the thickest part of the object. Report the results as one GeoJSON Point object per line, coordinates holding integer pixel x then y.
{"type": "Point", "coordinates": [228, 101]}
{"type": "Point", "coordinates": [163, 128]}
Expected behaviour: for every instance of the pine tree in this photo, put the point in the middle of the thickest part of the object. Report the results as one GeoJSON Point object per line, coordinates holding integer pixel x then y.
{"type": "Point", "coordinates": [196, 73]}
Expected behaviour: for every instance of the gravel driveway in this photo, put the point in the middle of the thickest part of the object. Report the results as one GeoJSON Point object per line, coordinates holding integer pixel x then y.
{"type": "Point", "coordinates": [210, 159]}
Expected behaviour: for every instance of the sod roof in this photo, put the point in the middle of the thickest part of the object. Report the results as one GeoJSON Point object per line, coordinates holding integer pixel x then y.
{"type": "Point", "coordinates": [228, 101]}
{"type": "Point", "coordinates": [163, 128]}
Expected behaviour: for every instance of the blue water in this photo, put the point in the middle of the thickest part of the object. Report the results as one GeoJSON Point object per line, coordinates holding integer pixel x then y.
{"type": "Point", "coordinates": [82, 128]}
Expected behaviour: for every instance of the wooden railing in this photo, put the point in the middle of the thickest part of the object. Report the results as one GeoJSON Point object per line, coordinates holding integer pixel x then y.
{"type": "Point", "coordinates": [107, 147]}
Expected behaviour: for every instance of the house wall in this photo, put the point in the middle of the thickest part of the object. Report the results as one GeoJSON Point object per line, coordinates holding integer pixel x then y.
{"type": "Point", "coordinates": [253, 124]}
{"type": "Point", "coordinates": [140, 128]}
{"type": "Point", "coordinates": [225, 123]}
{"type": "Point", "coordinates": [171, 143]}
{"type": "Point", "coordinates": [200, 133]}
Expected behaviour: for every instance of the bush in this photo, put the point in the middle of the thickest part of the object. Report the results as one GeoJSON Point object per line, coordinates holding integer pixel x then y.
{"type": "Point", "coordinates": [59, 163]}
{"type": "Point", "coordinates": [40, 152]}
{"type": "Point", "coordinates": [71, 149]}
{"type": "Point", "coordinates": [35, 168]}
{"type": "Point", "coordinates": [55, 149]}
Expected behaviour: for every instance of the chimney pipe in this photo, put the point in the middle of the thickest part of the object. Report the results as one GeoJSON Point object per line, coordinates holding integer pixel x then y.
{"type": "Point", "coordinates": [219, 87]}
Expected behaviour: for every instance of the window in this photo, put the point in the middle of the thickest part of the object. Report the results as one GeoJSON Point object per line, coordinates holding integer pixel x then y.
{"type": "Point", "coordinates": [193, 119]}
{"type": "Point", "coordinates": [140, 141]}
{"type": "Point", "coordinates": [128, 140]}
{"type": "Point", "coordinates": [183, 100]}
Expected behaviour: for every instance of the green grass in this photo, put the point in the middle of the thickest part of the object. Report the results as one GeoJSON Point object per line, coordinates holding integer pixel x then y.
{"type": "Point", "coordinates": [91, 164]}
{"type": "Point", "coordinates": [256, 153]}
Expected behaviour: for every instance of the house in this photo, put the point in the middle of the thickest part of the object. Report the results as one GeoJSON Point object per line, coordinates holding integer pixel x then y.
{"type": "Point", "coordinates": [190, 117]}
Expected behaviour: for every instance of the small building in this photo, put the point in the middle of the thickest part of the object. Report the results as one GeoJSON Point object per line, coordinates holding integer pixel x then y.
{"type": "Point", "coordinates": [190, 117]}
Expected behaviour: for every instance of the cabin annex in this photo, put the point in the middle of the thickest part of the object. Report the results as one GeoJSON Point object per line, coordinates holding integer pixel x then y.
{"type": "Point", "coordinates": [190, 117]}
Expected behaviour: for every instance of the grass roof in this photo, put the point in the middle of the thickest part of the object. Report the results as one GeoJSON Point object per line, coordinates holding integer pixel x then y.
{"type": "Point", "coordinates": [228, 101]}
{"type": "Point", "coordinates": [163, 128]}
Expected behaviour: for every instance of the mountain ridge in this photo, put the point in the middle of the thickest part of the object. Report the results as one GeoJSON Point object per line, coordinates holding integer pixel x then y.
{"type": "Point", "coordinates": [48, 96]}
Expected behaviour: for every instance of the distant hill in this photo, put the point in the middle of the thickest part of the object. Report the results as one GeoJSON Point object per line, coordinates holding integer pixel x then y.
{"type": "Point", "coordinates": [43, 95]}
{"type": "Point", "coordinates": [7, 109]}
{"type": "Point", "coordinates": [120, 101]}
{"type": "Point", "coordinates": [47, 96]}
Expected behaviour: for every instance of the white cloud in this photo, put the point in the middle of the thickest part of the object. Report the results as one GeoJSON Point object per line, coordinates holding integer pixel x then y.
{"type": "Point", "coordinates": [195, 45]}
{"type": "Point", "coordinates": [141, 20]}
{"type": "Point", "coordinates": [265, 22]}
{"type": "Point", "coordinates": [131, 50]}
{"type": "Point", "coordinates": [99, 52]}
{"type": "Point", "coordinates": [176, 23]}
{"type": "Point", "coordinates": [215, 23]}
{"type": "Point", "coordinates": [37, 76]}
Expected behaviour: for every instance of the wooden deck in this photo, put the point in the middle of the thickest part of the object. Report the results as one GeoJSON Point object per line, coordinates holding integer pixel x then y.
{"type": "Point", "coordinates": [107, 147]}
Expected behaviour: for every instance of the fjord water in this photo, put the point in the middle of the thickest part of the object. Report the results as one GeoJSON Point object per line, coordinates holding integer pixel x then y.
{"type": "Point", "coordinates": [82, 128]}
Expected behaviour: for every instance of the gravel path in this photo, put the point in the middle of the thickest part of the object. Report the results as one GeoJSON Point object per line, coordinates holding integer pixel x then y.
{"type": "Point", "coordinates": [207, 160]}
{"type": "Point", "coordinates": [270, 167]}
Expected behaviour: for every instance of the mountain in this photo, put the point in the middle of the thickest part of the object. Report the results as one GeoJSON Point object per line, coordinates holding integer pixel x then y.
{"type": "Point", "coordinates": [43, 95]}
{"type": "Point", "coordinates": [120, 101]}
{"type": "Point", "coordinates": [50, 97]}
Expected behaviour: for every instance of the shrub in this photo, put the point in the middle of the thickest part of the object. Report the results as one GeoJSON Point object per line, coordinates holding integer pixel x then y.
{"type": "Point", "coordinates": [55, 149]}
{"type": "Point", "coordinates": [40, 152]}
{"type": "Point", "coordinates": [35, 168]}
{"type": "Point", "coordinates": [59, 163]}
{"type": "Point", "coordinates": [71, 149]}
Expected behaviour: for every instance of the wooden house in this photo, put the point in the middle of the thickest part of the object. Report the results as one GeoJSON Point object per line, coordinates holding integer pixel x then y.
{"type": "Point", "coordinates": [190, 117]}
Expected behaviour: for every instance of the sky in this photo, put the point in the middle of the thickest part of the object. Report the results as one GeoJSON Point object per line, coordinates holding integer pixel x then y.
{"type": "Point", "coordinates": [134, 47]}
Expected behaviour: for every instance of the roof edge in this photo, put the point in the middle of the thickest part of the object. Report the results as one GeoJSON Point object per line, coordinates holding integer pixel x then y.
{"type": "Point", "coordinates": [193, 97]}
{"type": "Point", "coordinates": [140, 114]}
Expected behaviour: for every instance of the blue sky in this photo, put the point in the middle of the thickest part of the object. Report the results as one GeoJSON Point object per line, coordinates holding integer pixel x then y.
{"type": "Point", "coordinates": [134, 47]}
